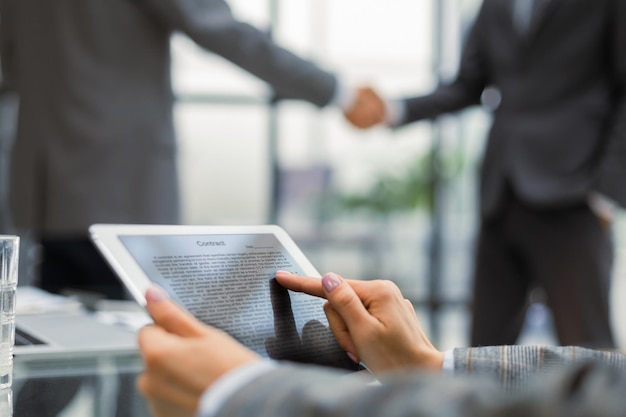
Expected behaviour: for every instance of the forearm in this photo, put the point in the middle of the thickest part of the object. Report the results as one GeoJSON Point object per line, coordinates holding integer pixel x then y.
{"type": "Point", "coordinates": [211, 24]}
{"type": "Point", "coordinates": [467, 87]}
{"type": "Point", "coordinates": [292, 391]}
{"type": "Point", "coordinates": [445, 99]}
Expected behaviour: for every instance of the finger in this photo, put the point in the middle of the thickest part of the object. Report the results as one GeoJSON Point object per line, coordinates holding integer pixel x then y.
{"type": "Point", "coordinates": [150, 337]}
{"type": "Point", "coordinates": [155, 339]}
{"type": "Point", "coordinates": [298, 283]}
{"type": "Point", "coordinates": [340, 331]}
{"type": "Point", "coordinates": [155, 344]}
{"type": "Point", "coordinates": [170, 316]}
{"type": "Point", "coordinates": [410, 308]}
{"type": "Point", "coordinates": [168, 360]}
{"type": "Point", "coordinates": [313, 285]}
{"type": "Point", "coordinates": [346, 302]}
{"type": "Point", "coordinates": [159, 388]}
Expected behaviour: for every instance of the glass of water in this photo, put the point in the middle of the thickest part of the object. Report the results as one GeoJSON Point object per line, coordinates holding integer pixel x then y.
{"type": "Point", "coordinates": [9, 255]}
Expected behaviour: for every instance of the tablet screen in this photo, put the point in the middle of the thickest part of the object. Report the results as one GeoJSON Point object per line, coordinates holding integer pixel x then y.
{"type": "Point", "coordinates": [227, 281]}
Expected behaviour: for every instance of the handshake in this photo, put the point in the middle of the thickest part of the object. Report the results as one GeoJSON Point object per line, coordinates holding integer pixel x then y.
{"type": "Point", "coordinates": [368, 109]}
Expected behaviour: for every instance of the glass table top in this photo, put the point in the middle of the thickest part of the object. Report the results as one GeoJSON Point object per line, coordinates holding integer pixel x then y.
{"type": "Point", "coordinates": [99, 385]}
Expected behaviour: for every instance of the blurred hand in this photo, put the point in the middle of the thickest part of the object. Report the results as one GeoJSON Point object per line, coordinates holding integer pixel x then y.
{"type": "Point", "coordinates": [367, 110]}
{"type": "Point", "coordinates": [371, 320]}
{"type": "Point", "coordinates": [183, 357]}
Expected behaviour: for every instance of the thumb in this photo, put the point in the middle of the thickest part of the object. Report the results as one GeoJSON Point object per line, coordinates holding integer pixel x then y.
{"type": "Point", "coordinates": [345, 302]}
{"type": "Point", "coordinates": [171, 316]}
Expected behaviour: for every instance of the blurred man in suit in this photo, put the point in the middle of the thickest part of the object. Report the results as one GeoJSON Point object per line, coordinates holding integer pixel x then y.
{"type": "Point", "coordinates": [195, 370]}
{"type": "Point", "coordinates": [555, 160]}
{"type": "Point", "coordinates": [95, 136]}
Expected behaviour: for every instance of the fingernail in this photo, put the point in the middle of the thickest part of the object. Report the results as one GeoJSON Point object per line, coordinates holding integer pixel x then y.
{"type": "Point", "coordinates": [156, 294]}
{"type": "Point", "coordinates": [352, 357]}
{"type": "Point", "coordinates": [283, 272]}
{"type": "Point", "coordinates": [330, 281]}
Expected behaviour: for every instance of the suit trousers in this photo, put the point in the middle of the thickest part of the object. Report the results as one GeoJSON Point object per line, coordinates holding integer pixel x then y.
{"type": "Point", "coordinates": [565, 251]}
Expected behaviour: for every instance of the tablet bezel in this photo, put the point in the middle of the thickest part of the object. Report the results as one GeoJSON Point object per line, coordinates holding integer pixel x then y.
{"type": "Point", "coordinates": [106, 238]}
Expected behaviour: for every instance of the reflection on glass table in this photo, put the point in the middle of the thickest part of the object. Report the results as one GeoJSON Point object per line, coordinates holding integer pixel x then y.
{"type": "Point", "coordinates": [86, 385]}
{"type": "Point", "coordinates": [73, 362]}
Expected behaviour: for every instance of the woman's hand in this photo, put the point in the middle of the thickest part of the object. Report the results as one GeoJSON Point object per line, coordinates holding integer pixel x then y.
{"type": "Point", "coordinates": [371, 320]}
{"type": "Point", "coordinates": [183, 357]}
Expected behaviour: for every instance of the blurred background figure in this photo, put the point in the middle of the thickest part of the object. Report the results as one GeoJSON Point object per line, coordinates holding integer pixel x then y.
{"type": "Point", "coordinates": [95, 135]}
{"type": "Point", "coordinates": [8, 105]}
{"type": "Point", "coordinates": [554, 164]}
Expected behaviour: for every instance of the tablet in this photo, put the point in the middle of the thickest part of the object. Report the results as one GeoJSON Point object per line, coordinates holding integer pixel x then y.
{"type": "Point", "coordinates": [225, 277]}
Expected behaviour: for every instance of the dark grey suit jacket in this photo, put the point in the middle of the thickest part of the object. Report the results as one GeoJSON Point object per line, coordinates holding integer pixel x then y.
{"type": "Point", "coordinates": [492, 382]}
{"type": "Point", "coordinates": [95, 140]}
{"type": "Point", "coordinates": [560, 129]}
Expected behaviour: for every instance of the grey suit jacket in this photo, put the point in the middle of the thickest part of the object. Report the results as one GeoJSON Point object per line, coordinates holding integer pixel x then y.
{"type": "Point", "coordinates": [492, 382]}
{"type": "Point", "coordinates": [95, 137]}
{"type": "Point", "coordinates": [559, 131]}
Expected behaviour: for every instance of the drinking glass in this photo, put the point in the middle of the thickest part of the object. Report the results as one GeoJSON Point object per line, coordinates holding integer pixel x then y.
{"type": "Point", "coordinates": [9, 255]}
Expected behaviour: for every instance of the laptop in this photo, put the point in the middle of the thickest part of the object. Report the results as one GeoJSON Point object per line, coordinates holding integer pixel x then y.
{"type": "Point", "coordinates": [52, 326]}
{"type": "Point", "coordinates": [41, 336]}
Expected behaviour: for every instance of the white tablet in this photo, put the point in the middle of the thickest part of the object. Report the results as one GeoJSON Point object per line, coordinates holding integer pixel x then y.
{"type": "Point", "coordinates": [224, 276]}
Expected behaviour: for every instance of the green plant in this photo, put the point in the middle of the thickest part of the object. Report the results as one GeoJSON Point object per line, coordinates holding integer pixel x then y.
{"type": "Point", "coordinates": [414, 189]}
